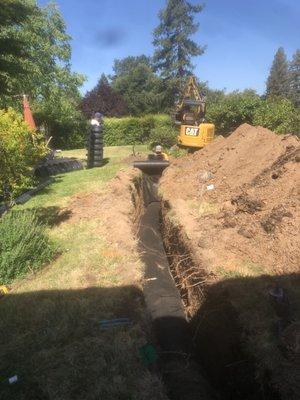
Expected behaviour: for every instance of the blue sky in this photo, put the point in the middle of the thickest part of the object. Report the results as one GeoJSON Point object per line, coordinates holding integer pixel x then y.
{"type": "Point", "coordinates": [241, 36]}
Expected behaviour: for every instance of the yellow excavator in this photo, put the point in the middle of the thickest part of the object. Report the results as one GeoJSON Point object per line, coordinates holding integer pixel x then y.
{"type": "Point", "coordinates": [194, 132]}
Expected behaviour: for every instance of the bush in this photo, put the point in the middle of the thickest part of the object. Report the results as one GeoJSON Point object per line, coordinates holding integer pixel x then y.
{"type": "Point", "coordinates": [24, 245]}
{"type": "Point", "coordinates": [164, 132]}
{"type": "Point", "coordinates": [134, 130]}
{"type": "Point", "coordinates": [63, 122]}
{"type": "Point", "coordinates": [232, 110]}
{"type": "Point", "coordinates": [177, 152]}
{"type": "Point", "coordinates": [20, 149]}
{"type": "Point", "coordinates": [70, 135]}
{"type": "Point", "coordinates": [279, 115]}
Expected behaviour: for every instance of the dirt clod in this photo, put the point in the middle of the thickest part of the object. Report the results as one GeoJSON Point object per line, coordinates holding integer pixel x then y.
{"type": "Point", "coordinates": [272, 220]}
{"type": "Point", "coordinates": [247, 233]}
{"type": "Point", "coordinates": [245, 204]}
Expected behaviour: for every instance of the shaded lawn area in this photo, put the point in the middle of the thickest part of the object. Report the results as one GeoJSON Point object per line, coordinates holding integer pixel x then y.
{"type": "Point", "coordinates": [50, 330]}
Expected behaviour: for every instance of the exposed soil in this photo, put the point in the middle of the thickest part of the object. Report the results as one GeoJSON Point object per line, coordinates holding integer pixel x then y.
{"type": "Point", "coordinates": [230, 224]}
{"type": "Point", "coordinates": [116, 211]}
{"type": "Point", "coordinates": [231, 229]}
{"type": "Point", "coordinates": [249, 221]}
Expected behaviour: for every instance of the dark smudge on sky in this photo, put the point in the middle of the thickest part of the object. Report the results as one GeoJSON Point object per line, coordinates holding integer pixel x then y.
{"type": "Point", "coordinates": [110, 37]}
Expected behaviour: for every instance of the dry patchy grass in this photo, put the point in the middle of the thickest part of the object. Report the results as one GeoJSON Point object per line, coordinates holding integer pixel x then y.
{"type": "Point", "coordinates": [50, 322]}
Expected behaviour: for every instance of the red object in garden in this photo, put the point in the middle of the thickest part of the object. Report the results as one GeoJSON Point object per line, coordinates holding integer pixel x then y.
{"type": "Point", "coordinates": [28, 118]}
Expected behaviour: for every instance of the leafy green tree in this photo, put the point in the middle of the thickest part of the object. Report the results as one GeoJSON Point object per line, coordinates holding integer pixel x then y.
{"type": "Point", "coordinates": [13, 14]}
{"type": "Point", "coordinates": [103, 98]}
{"type": "Point", "coordinates": [49, 54]}
{"type": "Point", "coordinates": [231, 110]}
{"type": "Point", "coordinates": [278, 80]}
{"type": "Point", "coordinates": [61, 119]}
{"type": "Point", "coordinates": [212, 95]}
{"type": "Point", "coordinates": [278, 115]}
{"type": "Point", "coordinates": [294, 71]}
{"type": "Point", "coordinates": [140, 87]}
{"type": "Point", "coordinates": [172, 40]}
{"type": "Point", "coordinates": [54, 87]}
{"type": "Point", "coordinates": [47, 77]}
{"type": "Point", "coordinates": [126, 65]}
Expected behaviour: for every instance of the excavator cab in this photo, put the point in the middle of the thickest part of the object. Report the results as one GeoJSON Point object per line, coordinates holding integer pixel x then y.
{"type": "Point", "coordinates": [194, 133]}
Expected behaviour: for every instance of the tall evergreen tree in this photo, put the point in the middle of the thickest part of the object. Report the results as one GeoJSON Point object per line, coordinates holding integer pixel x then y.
{"type": "Point", "coordinates": [103, 98]}
{"type": "Point", "coordinates": [278, 80]}
{"type": "Point", "coordinates": [294, 72]}
{"type": "Point", "coordinates": [172, 40]}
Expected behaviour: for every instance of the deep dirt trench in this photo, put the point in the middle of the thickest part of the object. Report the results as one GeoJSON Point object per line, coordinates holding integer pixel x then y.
{"type": "Point", "coordinates": [195, 325]}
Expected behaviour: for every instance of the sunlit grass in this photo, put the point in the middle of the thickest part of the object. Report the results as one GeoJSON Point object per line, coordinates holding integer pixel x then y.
{"type": "Point", "coordinates": [50, 321]}
{"type": "Point", "coordinates": [87, 180]}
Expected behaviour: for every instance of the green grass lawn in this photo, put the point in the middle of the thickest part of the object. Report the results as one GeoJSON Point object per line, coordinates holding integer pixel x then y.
{"type": "Point", "coordinates": [51, 336]}
{"type": "Point", "coordinates": [113, 153]}
{"type": "Point", "coordinates": [88, 180]}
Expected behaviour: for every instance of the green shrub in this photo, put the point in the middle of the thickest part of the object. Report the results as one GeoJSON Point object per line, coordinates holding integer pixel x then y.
{"type": "Point", "coordinates": [62, 120]}
{"type": "Point", "coordinates": [70, 136]}
{"type": "Point", "coordinates": [121, 131]}
{"type": "Point", "coordinates": [279, 115]}
{"type": "Point", "coordinates": [20, 149]}
{"type": "Point", "coordinates": [232, 110]}
{"type": "Point", "coordinates": [177, 152]}
{"type": "Point", "coordinates": [24, 245]}
{"type": "Point", "coordinates": [164, 132]}
{"type": "Point", "coordinates": [165, 136]}
{"type": "Point", "coordinates": [133, 130]}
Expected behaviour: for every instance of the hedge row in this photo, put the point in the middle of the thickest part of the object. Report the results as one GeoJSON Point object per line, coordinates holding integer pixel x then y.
{"type": "Point", "coordinates": [136, 130]}
{"type": "Point", "coordinates": [234, 109]}
{"type": "Point", "coordinates": [227, 113]}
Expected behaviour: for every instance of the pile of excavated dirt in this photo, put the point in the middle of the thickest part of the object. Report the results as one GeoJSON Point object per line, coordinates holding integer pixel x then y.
{"type": "Point", "coordinates": [238, 201]}
{"type": "Point", "coordinates": [233, 209]}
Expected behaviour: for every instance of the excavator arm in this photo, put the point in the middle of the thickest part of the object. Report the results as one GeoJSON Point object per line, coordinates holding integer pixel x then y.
{"type": "Point", "coordinates": [191, 103]}
{"type": "Point", "coordinates": [194, 133]}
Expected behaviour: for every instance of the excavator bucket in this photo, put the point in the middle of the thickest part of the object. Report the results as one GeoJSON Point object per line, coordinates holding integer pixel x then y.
{"type": "Point", "coordinates": [151, 167]}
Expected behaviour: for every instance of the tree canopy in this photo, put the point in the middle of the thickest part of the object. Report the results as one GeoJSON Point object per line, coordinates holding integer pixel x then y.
{"type": "Point", "coordinates": [14, 13]}
{"type": "Point", "coordinates": [278, 80]}
{"type": "Point", "coordinates": [40, 66]}
{"type": "Point", "coordinates": [141, 88]}
{"type": "Point", "coordinates": [125, 65]}
{"type": "Point", "coordinates": [174, 47]}
{"type": "Point", "coordinates": [104, 99]}
{"type": "Point", "coordinates": [294, 78]}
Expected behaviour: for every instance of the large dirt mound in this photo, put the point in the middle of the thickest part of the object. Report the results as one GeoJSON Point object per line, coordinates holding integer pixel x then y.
{"type": "Point", "coordinates": [248, 223]}
{"type": "Point", "coordinates": [236, 204]}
